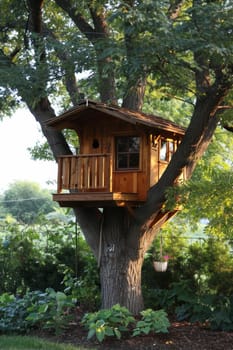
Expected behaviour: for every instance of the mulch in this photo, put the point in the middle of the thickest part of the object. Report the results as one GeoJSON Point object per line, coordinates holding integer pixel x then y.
{"type": "Point", "coordinates": [182, 336]}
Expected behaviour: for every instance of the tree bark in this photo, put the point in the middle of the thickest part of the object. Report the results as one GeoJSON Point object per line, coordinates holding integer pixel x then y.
{"type": "Point", "coordinates": [120, 264]}
{"type": "Point", "coordinates": [135, 95]}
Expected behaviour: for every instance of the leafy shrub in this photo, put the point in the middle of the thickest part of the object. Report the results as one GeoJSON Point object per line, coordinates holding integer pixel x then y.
{"type": "Point", "coordinates": [117, 320]}
{"type": "Point", "coordinates": [36, 257]}
{"type": "Point", "coordinates": [152, 321]}
{"type": "Point", "coordinates": [86, 287]}
{"type": "Point", "coordinates": [108, 322]}
{"type": "Point", "coordinates": [35, 309]}
{"type": "Point", "coordinates": [216, 310]}
{"type": "Point", "coordinates": [50, 310]}
{"type": "Point", "coordinates": [13, 313]}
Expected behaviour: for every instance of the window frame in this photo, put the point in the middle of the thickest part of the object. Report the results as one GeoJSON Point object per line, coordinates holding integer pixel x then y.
{"type": "Point", "coordinates": [128, 153]}
{"type": "Point", "coordinates": [168, 152]}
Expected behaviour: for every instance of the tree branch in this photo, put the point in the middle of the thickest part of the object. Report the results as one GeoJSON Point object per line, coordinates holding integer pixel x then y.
{"type": "Point", "coordinates": [98, 35]}
{"type": "Point", "coordinates": [174, 9]}
{"type": "Point", "coordinates": [78, 19]}
{"type": "Point", "coordinates": [68, 66]}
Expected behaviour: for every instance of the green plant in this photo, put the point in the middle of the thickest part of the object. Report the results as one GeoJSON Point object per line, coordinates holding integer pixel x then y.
{"type": "Point", "coordinates": [85, 288]}
{"type": "Point", "coordinates": [152, 321]}
{"type": "Point", "coordinates": [215, 310]}
{"type": "Point", "coordinates": [47, 309]}
{"type": "Point", "coordinates": [50, 311]}
{"type": "Point", "coordinates": [108, 322]}
{"type": "Point", "coordinates": [13, 313]}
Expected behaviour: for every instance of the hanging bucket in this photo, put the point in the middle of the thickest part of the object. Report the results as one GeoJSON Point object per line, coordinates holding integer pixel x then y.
{"type": "Point", "coordinates": [160, 266]}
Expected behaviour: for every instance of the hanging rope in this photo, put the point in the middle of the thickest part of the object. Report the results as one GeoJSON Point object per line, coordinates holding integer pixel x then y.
{"type": "Point", "coordinates": [76, 248]}
{"type": "Point", "coordinates": [100, 240]}
{"type": "Point", "coordinates": [161, 246]}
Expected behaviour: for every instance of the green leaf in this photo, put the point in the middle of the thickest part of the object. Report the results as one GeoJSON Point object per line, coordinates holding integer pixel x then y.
{"type": "Point", "coordinates": [117, 333]}
{"type": "Point", "coordinates": [91, 333]}
{"type": "Point", "coordinates": [100, 334]}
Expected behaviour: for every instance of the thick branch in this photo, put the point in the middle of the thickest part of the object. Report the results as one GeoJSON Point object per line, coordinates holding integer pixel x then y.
{"type": "Point", "coordinates": [78, 19]}
{"type": "Point", "coordinates": [228, 127]}
{"type": "Point", "coordinates": [68, 66]}
{"type": "Point", "coordinates": [35, 7]}
{"type": "Point", "coordinates": [98, 35]}
{"type": "Point", "coordinates": [196, 140]}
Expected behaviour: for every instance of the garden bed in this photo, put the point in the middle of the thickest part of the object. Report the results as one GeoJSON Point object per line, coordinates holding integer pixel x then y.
{"type": "Point", "coordinates": [182, 336]}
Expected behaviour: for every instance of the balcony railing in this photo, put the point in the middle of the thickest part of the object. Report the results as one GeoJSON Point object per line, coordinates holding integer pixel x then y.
{"type": "Point", "coordinates": [85, 173]}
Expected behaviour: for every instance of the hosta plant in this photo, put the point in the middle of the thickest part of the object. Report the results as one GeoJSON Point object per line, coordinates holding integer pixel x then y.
{"type": "Point", "coordinates": [152, 321]}
{"type": "Point", "coordinates": [108, 322]}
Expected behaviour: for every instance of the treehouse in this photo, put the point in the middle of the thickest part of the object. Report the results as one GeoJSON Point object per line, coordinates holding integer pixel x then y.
{"type": "Point", "coordinates": [120, 154]}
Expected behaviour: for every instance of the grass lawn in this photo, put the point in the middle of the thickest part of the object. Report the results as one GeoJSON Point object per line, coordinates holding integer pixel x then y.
{"type": "Point", "coordinates": [31, 343]}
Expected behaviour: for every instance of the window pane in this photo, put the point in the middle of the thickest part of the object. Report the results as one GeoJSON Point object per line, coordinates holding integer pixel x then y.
{"type": "Point", "coordinates": [122, 144]}
{"type": "Point", "coordinates": [171, 147]}
{"type": "Point", "coordinates": [134, 160]}
{"type": "Point", "coordinates": [122, 161]}
{"type": "Point", "coordinates": [163, 150]}
{"type": "Point", "coordinates": [127, 152]}
{"type": "Point", "coordinates": [133, 144]}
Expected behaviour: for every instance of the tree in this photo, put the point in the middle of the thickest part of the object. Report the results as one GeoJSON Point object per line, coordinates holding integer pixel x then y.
{"type": "Point", "coordinates": [132, 48]}
{"type": "Point", "coordinates": [26, 201]}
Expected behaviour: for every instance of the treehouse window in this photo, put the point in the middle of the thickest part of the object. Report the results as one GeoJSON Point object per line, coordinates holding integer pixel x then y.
{"type": "Point", "coordinates": [127, 152]}
{"type": "Point", "coordinates": [166, 150]}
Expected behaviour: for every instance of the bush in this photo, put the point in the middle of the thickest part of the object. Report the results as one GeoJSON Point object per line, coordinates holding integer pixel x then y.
{"type": "Point", "coordinates": [117, 320]}
{"type": "Point", "coordinates": [152, 321]}
{"type": "Point", "coordinates": [37, 258]}
{"type": "Point", "coordinates": [108, 322]}
{"type": "Point", "coordinates": [36, 309]}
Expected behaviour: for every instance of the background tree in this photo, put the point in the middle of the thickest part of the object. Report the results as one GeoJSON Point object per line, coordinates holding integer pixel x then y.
{"type": "Point", "coordinates": [26, 201]}
{"type": "Point", "coordinates": [180, 49]}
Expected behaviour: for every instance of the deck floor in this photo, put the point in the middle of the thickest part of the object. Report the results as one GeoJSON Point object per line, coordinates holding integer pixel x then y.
{"type": "Point", "coordinates": [98, 199]}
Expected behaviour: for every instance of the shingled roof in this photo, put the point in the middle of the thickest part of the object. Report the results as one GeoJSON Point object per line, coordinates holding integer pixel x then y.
{"type": "Point", "coordinates": [70, 117]}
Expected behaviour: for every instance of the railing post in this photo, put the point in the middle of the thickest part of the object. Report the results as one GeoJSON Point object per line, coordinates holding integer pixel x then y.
{"type": "Point", "coordinates": [85, 173]}
{"type": "Point", "coordinates": [59, 175]}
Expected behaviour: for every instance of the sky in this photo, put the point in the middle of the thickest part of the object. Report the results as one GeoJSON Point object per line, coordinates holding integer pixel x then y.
{"type": "Point", "coordinates": [17, 133]}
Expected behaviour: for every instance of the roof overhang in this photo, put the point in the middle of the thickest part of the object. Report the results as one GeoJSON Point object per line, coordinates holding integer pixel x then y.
{"type": "Point", "coordinates": [71, 118]}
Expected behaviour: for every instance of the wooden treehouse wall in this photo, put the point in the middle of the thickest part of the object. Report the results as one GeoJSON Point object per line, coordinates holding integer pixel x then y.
{"type": "Point", "coordinates": [103, 134]}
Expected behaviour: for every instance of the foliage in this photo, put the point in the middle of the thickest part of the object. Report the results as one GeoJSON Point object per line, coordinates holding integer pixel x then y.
{"type": "Point", "coordinates": [13, 312]}
{"type": "Point", "coordinates": [199, 266]}
{"type": "Point", "coordinates": [112, 322]}
{"type": "Point", "coordinates": [26, 201]}
{"type": "Point", "coordinates": [35, 309]}
{"type": "Point", "coordinates": [51, 310]}
{"type": "Point", "coordinates": [152, 321]}
{"type": "Point", "coordinates": [108, 322]}
{"type": "Point", "coordinates": [38, 256]}
{"type": "Point", "coordinates": [212, 182]}
{"type": "Point", "coordinates": [215, 310]}
{"type": "Point", "coordinates": [85, 288]}
{"type": "Point", "coordinates": [212, 309]}
{"type": "Point", "coordinates": [163, 49]}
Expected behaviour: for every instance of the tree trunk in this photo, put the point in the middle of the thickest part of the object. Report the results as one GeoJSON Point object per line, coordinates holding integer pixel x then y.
{"type": "Point", "coordinates": [135, 95]}
{"type": "Point", "coordinates": [120, 264]}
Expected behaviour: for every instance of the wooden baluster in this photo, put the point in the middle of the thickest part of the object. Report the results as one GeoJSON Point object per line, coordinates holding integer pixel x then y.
{"type": "Point", "coordinates": [59, 175]}
{"type": "Point", "coordinates": [66, 173]}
